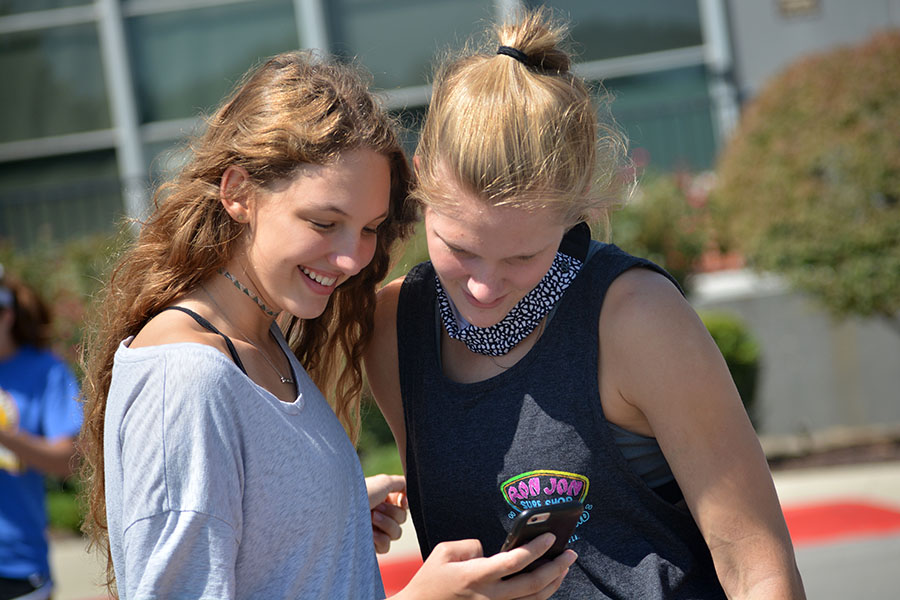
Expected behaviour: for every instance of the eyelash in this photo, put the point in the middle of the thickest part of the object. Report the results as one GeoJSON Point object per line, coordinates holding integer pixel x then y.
{"type": "Point", "coordinates": [458, 251]}
{"type": "Point", "coordinates": [329, 226]}
{"type": "Point", "coordinates": [322, 226]}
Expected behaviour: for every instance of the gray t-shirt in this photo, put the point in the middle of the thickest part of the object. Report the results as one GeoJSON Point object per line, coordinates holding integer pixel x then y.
{"type": "Point", "coordinates": [216, 489]}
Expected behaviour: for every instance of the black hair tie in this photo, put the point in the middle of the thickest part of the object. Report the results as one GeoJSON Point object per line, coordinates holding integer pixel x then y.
{"type": "Point", "coordinates": [515, 53]}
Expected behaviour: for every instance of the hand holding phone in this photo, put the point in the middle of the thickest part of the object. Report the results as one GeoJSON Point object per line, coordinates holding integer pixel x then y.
{"type": "Point", "coordinates": [559, 519]}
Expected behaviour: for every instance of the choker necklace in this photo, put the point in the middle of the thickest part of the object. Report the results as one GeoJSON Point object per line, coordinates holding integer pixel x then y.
{"type": "Point", "coordinates": [283, 379]}
{"type": "Point", "coordinates": [518, 324]}
{"type": "Point", "coordinates": [249, 294]}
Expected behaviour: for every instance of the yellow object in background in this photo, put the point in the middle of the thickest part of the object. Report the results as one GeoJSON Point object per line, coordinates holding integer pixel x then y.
{"type": "Point", "coordinates": [9, 420]}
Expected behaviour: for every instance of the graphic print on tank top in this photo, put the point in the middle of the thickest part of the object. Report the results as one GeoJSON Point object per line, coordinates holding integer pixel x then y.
{"type": "Point", "coordinates": [538, 488]}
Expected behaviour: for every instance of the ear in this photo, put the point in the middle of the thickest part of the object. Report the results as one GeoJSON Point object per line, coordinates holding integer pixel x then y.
{"type": "Point", "coordinates": [235, 203]}
{"type": "Point", "coordinates": [416, 163]}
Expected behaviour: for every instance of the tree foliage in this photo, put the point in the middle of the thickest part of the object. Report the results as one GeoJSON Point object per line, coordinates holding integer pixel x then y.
{"type": "Point", "coordinates": [809, 184]}
{"type": "Point", "coordinates": [661, 223]}
{"type": "Point", "coordinates": [67, 276]}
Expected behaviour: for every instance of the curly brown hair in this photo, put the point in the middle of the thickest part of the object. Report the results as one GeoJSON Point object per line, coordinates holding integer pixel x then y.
{"type": "Point", "coordinates": [297, 108]}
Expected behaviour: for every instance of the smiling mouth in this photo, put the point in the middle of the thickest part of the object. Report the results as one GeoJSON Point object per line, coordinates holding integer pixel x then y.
{"type": "Point", "coordinates": [318, 277]}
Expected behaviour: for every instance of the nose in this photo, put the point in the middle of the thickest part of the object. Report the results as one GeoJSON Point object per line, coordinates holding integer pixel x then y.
{"type": "Point", "coordinates": [485, 286]}
{"type": "Point", "coordinates": [352, 253]}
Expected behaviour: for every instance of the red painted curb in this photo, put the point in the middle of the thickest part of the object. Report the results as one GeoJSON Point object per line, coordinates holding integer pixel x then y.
{"type": "Point", "coordinates": [827, 522]}
{"type": "Point", "coordinates": [396, 573]}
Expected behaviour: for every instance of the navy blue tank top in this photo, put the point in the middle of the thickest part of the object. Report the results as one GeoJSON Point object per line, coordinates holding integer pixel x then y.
{"type": "Point", "coordinates": [534, 435]}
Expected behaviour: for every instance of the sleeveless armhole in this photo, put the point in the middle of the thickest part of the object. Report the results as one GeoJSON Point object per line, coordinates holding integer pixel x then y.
{"type": "Point", "coordinates": [210, 327]}
{"type": "Point", "coordinates": [642, 454]}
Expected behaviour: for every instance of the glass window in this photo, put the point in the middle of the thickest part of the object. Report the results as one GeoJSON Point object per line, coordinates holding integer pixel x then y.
{"type": "Point", "coordinates": [610, 28]}
{"type": "Point", "coordinates": [52, 83]}
{"type": "Point", "coordinates": [185, 62]}
{"type": "Point", "coordinates": [10, 7]}
{"type": "Point", "coordinates": [410, 121]}
{"type": "Point", "coordinates": [61, 197]}
{"type": "Point", "coordinates": [398, 40]}
{"type": "Point", "coordinates": [165, 160]}
{"type": "Point", "coordinates": [667, 116]}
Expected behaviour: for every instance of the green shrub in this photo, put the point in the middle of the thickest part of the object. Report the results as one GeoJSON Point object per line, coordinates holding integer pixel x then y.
{"type": "Point", "coordinates": [64, 513]}
{"type": "Point", "coordinates": [809, 184]}
{"type": "Point", "coordinates": [376, 447]}
{"type": "Point", "coordinates": [741, 351]}
{"type": "Point", "coordinates": [661, 224]}
{"type": "Point", "coordinates": [381, 459]}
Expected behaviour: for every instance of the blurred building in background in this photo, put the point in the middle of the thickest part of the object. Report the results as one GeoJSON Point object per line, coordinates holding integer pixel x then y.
{"type": "Point", "coordinates": [96, 95]}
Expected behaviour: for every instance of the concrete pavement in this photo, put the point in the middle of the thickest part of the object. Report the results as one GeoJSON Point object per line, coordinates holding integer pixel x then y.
{"type": "Point", "coordinates": [859, 555]}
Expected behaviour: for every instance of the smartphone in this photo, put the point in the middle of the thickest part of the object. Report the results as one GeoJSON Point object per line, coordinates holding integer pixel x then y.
{"type": "Point", "coordinates": [559, 519]}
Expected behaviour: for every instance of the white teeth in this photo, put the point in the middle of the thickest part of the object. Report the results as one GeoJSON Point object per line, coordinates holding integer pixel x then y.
{"type": "Point", "coordinates": [326, 281]}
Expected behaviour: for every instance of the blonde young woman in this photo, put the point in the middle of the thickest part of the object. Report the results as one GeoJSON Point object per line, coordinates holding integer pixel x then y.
{"type": "Point", "coordinates": [526, 365]}
{"type": "Point", "coordinates": [216, 467]}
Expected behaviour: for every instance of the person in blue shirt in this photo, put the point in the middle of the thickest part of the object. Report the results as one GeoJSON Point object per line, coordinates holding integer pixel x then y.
{"type": "Point", "coordinates": [39, 420]}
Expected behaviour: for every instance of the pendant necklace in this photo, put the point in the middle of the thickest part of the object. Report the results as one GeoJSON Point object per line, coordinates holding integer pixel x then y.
{"type": "Point", "coordinates": [240, 333]}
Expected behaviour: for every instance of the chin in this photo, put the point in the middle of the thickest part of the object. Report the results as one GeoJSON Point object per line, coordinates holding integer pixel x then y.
{"type": "Point", "coordinates": [483, 321]}
{"type": "Point", "coordinates": [307, 311]}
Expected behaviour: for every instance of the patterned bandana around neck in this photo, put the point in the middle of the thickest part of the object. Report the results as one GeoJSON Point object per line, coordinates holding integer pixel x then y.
{"type": "Point", "coordinates": [524, 317]}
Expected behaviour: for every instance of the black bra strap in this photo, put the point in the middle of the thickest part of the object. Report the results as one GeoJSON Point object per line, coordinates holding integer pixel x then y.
{"type": "Point", "coordinates": [207, 325]}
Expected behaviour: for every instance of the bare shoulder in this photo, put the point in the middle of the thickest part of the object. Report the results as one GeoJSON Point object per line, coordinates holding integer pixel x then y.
{"type": "Point", "coordinates": [643, 298]}
{"type": "Point", "coordinates": [647, 326]}
{"type": "Point", "coordinates": [388, 298]}
{"type": "Point", "coordinates": [175, 327]}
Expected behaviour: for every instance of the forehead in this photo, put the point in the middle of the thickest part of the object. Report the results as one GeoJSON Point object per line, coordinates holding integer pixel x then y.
{"type": "Point", "coordinates": [493, 231]}
{"type": "Point", "coordinates": [358, 183]}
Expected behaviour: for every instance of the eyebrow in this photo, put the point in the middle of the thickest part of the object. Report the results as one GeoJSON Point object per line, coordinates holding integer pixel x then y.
{"type": "Point", "coordinates": [343, 213]}
{"type": "Point", "coordinates": [455, 247]}
{"type": "Point", "coordinates": [448, 244]}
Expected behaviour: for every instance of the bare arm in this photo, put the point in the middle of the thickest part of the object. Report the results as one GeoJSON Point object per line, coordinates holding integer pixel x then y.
{"type": "Point", "coordinates": [383, 367]}
{"type": "Point", "coordinates": [667, 375]}
{"type": "Point", "coordinates": [54, 457]}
